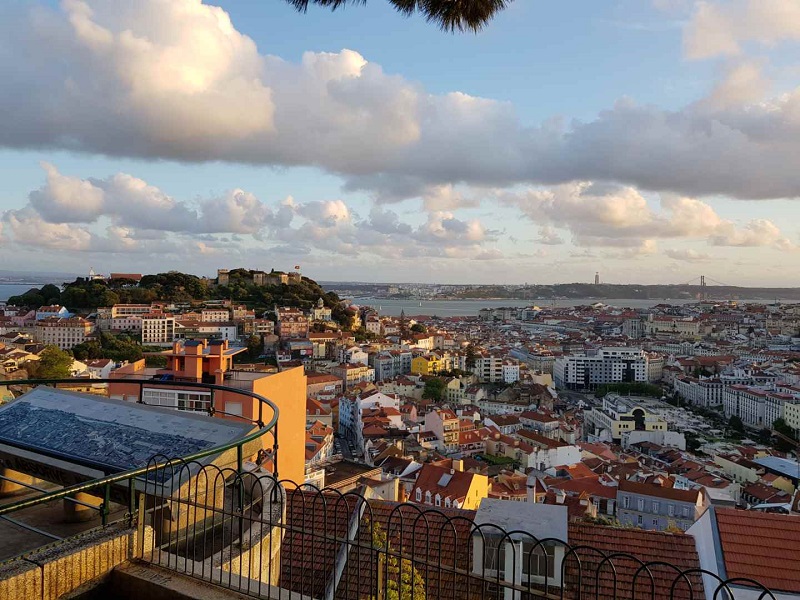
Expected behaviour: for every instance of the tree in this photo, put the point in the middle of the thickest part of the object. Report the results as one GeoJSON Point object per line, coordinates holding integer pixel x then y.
{"type": "Point", "coordinates": [783, 428]}
{"type": "Point", "coordinates": [435, 389]}
{"type": "Point", "coordinates": [400, 578]}
{"type": "Point", "coordinates": [736, 424]}
{"type": "Point", "coordinates": [419, 328]}
{"type": "Point", "coordinates": [53, 363]}
{"type": "Point", "coordinates": [255, 347]}
{"type": "Point", "coordinates": [449, 15]}
{"type": "Point", "coordinates": [51, 293]}
{"type": "Point", "coordinates": [469, 359]}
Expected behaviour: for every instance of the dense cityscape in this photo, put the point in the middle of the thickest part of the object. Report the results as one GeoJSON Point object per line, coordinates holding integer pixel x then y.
{"type": "Point", "coordinates": [629, 418]}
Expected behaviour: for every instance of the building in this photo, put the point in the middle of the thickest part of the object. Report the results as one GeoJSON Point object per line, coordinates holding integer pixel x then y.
{"type": "Point", "coordinates": [158, 329]}
{"type": "Point", "coordinates": [212, 362]}
{"type": "Point", "coordinates": [510, 371]}
{"type": "Point", "coordinates": [211, 330]}
{"type": "Point", "coordinates": [125, 277]}
{"type": "Point", "coordinates": [609, 365]}
{"type": "Point", "coordinates": [353, 374]}
{"type": "Point", "coordinates": [324, 385]}
{"type": "Point", "coordinates": [700, 392]}
{"type": "Point", "coordinates": [320, 312]}
{"type": "Point", "coordinates": [259, 327]}
{"type": "Point", "coordinates": [506, 424]}
{"type": "Point", "coordinates": [444, 424]}
{"type": "Point", "coordinates": [66, 333]}
{"type": "Point", "coordinates": [48, 312]}
{"type": "Point", "coordinates": [390, 363]}
{"type": "Point", "coordinates": [449, 488]}
{"type": "Point", "coordinates": [676, 327]}
{"type": "Point", "coordinates": [746, 546]}
{"type": "Point", "coordinates": [215, 315]}
{"type": "Point", "coordinates": [659, 507]}
{"type": "Point", "coordinates": [291, 323]}
{"type": "Point", "coordinates": [618, 415]}
{"type": "Point", "coordinates": [427, 364]}
{"type": "Point", "coordinates": [489, 368]}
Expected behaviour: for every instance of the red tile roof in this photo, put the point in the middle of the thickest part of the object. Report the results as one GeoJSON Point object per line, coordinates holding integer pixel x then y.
{"type": "Point", "coordinates": [648, 546]}
{"type": "Point", "coordinates": [761, 546]}
{"type": "Point", "coordinates": [648, 489]}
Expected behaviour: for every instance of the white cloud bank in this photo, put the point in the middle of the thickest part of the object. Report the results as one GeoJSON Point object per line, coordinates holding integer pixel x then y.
{"type": "Point", "coordinates": [174, 79]}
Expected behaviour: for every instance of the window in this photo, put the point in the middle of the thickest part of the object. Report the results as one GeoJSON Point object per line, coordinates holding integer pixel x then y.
{"type": "Point", "coordinates": [494, 556]}
{"type": "Point", "coordinates": [538, 561]}
{"type": "Point", "coordinates": [656, 506]}
{"type": "Point", "coordinates": [419, 495]}
{"type": "Point", "coordinates": [639, 520]}
{"type": "Point", "coordinates": [447, 503]}
{"type": "Point", "coordinates": [685, 511]}
{"type": "Point", "coordinates": [640, 504]}
{"type": "Point", "coordinates": [427, 497]}
{"type": "Point", "coordinates": [626, 501]}
{"type": "Point", "coordinates": [671, 510]}
{"type": "Point", "coordinates": [438, 500]}
{"type": "Point", "coordinates": [655, 523]}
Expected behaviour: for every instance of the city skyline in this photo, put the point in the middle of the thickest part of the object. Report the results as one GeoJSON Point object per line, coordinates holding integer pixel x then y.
{"type": "Point", "coordinates": [650, 140]}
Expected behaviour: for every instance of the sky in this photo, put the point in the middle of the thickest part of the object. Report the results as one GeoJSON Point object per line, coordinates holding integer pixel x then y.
{"type": "Point", "coordinates": [650, 140]}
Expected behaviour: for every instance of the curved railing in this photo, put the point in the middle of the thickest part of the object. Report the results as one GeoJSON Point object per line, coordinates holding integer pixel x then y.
{"type": "Point", "coordinates": [130, 477]}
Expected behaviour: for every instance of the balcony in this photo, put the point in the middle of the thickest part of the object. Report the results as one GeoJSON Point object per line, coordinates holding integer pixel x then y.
{"type": "Point", "coordinates": [234, 526]}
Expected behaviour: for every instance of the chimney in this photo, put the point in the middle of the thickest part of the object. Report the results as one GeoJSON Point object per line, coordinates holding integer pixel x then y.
{"type": "Point", "coordinates": [561, 496]}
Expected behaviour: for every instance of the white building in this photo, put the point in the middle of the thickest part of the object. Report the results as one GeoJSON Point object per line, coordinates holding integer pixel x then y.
{"type": "Point", "coordinates": [700, 392]}
{"type": "Point", "coordinates": [510, 371]}
{"type": "Point", "coordinates": [158, 329]}
{"type": "Point", "coordinates": [489, 369]}
{"type": "Point", "coordinates": [64, 333]}
{"type": "Point", "coordinates": [353, 355]}
{"type": "Point", "coordinates": [609, 365]}
{"type": "Point", "coordinates": [215, 315]}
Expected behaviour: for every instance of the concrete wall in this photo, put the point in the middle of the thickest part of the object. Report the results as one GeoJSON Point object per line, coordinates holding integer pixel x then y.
{"type": "Point", "coordinates": [64, 566]}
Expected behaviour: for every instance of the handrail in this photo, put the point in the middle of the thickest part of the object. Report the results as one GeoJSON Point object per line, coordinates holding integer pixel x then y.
{"type": "Point", "coordinates": [132, 474]}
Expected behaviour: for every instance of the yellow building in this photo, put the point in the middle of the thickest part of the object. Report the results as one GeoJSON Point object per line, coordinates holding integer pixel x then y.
{"type": "Point", "coordinates": [791, 414]}
{"type": "Point", "coordinates": [442, 487]}
{"type": "Point", "coordinates": [429, 364]}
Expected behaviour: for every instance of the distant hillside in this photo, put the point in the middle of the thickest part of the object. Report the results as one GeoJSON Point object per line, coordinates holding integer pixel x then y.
{"type": "Point", "coordinates": [84, 294]}
{"type": "Point", "coordinates": [629, 291]}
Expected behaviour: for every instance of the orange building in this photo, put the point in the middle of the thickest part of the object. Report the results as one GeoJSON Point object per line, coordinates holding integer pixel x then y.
{"type": "Point", "coordinates": [212, 362]}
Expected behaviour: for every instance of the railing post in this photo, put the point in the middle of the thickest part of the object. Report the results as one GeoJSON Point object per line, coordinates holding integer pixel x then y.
{"type": "Point", "coordinates": [104, 508]}
{"type": "Point", "coordinates": [239, 458]}
{"type": "Point", "coordinates": [131, 501]}
{"type": "Point", "coordinates": [275, 451]}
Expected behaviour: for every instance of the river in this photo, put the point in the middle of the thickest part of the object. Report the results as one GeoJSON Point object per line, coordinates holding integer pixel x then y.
{"type": "Point", "coordinates": [470, 308]}
{"type": "Point", "coordinates": [15, 289]}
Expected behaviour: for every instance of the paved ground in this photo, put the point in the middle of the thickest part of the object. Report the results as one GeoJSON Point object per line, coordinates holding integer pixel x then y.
{"type": "Point", "coordinates": [49, 517]}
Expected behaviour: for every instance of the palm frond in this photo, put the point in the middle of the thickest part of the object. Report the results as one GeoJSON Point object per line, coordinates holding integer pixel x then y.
{"type": "Point", "coordinates": [449, 15]}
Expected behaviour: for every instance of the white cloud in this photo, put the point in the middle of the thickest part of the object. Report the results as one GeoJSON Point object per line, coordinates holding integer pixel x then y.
{"type": "Point", "coordinates": [688, 255]}
{"type": "Point", "coordinates": [65, 199]}
{"type": "Point", "coordinates": [743, 83]}
{"type": "Point", "coordinates": [549, 236]}
{"type": "Point", "coordinates": [614, 216]}
{"type": "Point", "coordinates": [131, 202]}
{"type": "Point", "coordinates": [720, 28]}
{"type": "Point", "coordinates": [174, 79]}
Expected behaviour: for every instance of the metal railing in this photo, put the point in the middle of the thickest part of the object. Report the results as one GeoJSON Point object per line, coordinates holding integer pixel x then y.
{"type": "Point", "coordinates": [268, 538]}
{"type": "Point", "coordinates": [134, 480]}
